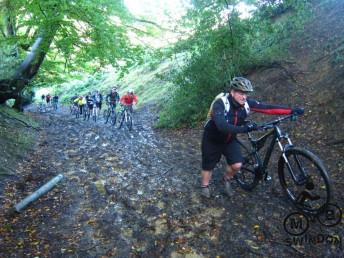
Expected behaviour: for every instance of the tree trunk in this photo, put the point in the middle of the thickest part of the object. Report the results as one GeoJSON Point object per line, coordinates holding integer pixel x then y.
{"type": "Point", "coordinates": [13, 88]}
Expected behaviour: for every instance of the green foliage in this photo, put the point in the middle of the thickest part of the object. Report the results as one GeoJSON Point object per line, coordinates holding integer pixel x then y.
{"type": "Point", "coordinates": [79, 87]}
{"type": "Point", "coordinates": [223, 47]}
{"type": "Point", "coordinates": [89, 35]}
{"type": "Point", "coordinates": [16, 138]}
{"type": "Point", "coordinates": [9, 61]}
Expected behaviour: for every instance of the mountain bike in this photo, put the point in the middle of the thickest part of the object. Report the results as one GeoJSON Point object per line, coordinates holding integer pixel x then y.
{"type": "Point", "coordinates": [301, 173]}
{"type": "Point", "coordinates": [125, 117]}
{"type": "Point", "coordinates": [71, 108]}
{"type": "Point", "coordinates": [110, 113]}
{"type": "Point", "coordinates": [77, 110]}
{"type": "Point", "coordinates": [74, 109]}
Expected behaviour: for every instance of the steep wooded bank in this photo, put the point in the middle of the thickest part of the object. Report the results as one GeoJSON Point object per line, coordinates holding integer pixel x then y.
{"type": "Point", "coordinates": [313, 76]}
{"type": "Point", "coordinates": [17, 137]}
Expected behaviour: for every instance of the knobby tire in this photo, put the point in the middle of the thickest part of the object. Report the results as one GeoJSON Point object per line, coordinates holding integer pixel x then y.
{"type": "Point", "coordinates": [311, 192]}
{"type": "Point", "coordinates": [248, 176]}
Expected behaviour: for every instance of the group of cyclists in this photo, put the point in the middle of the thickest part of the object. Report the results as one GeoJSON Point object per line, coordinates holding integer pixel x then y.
{"type": "Point", "coordinates": [50, 101]}
{"type": "Point", "coordinates": [93, 101]}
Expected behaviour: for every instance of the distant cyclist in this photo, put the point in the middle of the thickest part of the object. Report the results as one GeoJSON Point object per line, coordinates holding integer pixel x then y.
{"type": "Point", "coordinates": [80, 102]}
{"type": "Point", "coordinates": [129, 99]}
{"type": "Point", "coordinates": [98, 99]}
{"type": "Point", "coordinates": [55, 101]}
{"type": "Point", "coordinates": [112, 98]}
{"type": "Point", "coordinates": [47, 99]}
{"type": "Point", "coordinates": [89, 101]}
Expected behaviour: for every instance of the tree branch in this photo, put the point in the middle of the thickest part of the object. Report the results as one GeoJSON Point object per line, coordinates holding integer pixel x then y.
{"type": "Point", "coordinates": [153, 23]}
{"type": "Point", "coordinates": [137, 29]}
{"type": "Point", "coordinates": [40, 8]}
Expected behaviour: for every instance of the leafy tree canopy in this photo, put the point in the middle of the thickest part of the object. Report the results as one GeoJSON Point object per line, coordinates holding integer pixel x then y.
{"type": "Point", "coordinates": [85, 34]}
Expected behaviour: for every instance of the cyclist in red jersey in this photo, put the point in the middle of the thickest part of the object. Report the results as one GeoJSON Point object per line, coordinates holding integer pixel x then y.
{"type": "Point", "coordinates": [129, 99]}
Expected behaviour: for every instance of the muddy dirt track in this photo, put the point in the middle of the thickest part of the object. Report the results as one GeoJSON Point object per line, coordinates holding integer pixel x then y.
{"type": "Point", "coordinates": [136, 194]}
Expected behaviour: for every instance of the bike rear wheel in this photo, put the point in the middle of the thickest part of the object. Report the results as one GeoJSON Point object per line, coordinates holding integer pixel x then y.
{"type": "Point", "coordinates": [304, 180]}
{"type": "Point", "coordinates": [248, 176]}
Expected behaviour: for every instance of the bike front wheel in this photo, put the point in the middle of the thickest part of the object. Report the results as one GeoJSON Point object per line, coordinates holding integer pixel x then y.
{"type": "Point", "coordinates": [77, 113]}
{"type": "Point", "coordinates": [113, 118]}
{"type": "Point", "coordinates": [105, 114]}
{"type": "Point", "coordinates": [120, 120]}
{"type": "Point", "coordinates": [304, 180]}
{"type": "Point", "coordinates": [129, 122]}
{"type": "Point", "coordinates": [248, 176]}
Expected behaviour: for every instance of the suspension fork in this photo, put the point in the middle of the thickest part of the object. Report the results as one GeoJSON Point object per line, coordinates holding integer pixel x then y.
{"type": "Point", "coordinates": [125, 115]}
{"type": "Point", "coordinates": [283, 149]}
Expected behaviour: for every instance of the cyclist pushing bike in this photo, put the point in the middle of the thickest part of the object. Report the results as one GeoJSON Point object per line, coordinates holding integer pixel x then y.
{"type": "Point", "coordinates": [129, 100]}
{"type": "Point", "coordinates": [226, 119]}
{"type": "Point", "coordinates": [90, 103]}
{"type": "Point", "coordinates": [112, 98]}
{"type": "Point", "coordinates": [126, 114]}
{"type": "Point", "coordinates": [80, 103]}
{"type": "Point", "coordinates": [98, 99]}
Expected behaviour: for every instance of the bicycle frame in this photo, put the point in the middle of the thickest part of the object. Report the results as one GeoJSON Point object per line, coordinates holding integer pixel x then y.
{"type": "Point", "coordinates": [111, 108]}
{"type": "Point", "coordinates": [125, 116]}
{"type": "Point", "coordinates": [276, 135]}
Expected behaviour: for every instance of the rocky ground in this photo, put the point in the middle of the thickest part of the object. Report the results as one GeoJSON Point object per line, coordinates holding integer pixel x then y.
{"type": "Point", "coordinates": [136, 194]}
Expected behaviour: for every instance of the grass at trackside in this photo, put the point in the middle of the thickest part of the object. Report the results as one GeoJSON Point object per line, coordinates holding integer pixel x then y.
{"type": "Point", "coordinates": [144, 80]}
{"type": "Point", "coordinates": [20, 117]}
{"type": "Point", "coordinates": [148, 87]}
{"type": "Point", "coordinates": [16, 138]}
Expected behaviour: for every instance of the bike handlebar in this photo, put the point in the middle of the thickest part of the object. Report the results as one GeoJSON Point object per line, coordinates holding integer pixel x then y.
{"type": "Point", "coordinates": [271, 124]}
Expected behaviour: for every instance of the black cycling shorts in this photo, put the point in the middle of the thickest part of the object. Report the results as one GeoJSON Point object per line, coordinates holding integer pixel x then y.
{"type": "Point", "coordinates": [212, 151]}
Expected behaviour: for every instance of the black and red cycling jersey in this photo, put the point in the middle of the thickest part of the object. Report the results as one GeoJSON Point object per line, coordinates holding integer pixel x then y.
{"type": "Point", "coordinates": [225, 125]}
{"type": "Point", "coordinates": [112, 98]}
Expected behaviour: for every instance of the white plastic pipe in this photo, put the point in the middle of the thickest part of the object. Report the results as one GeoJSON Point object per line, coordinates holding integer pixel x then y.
{"type": "Point", "coordinates": [38, 193]}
